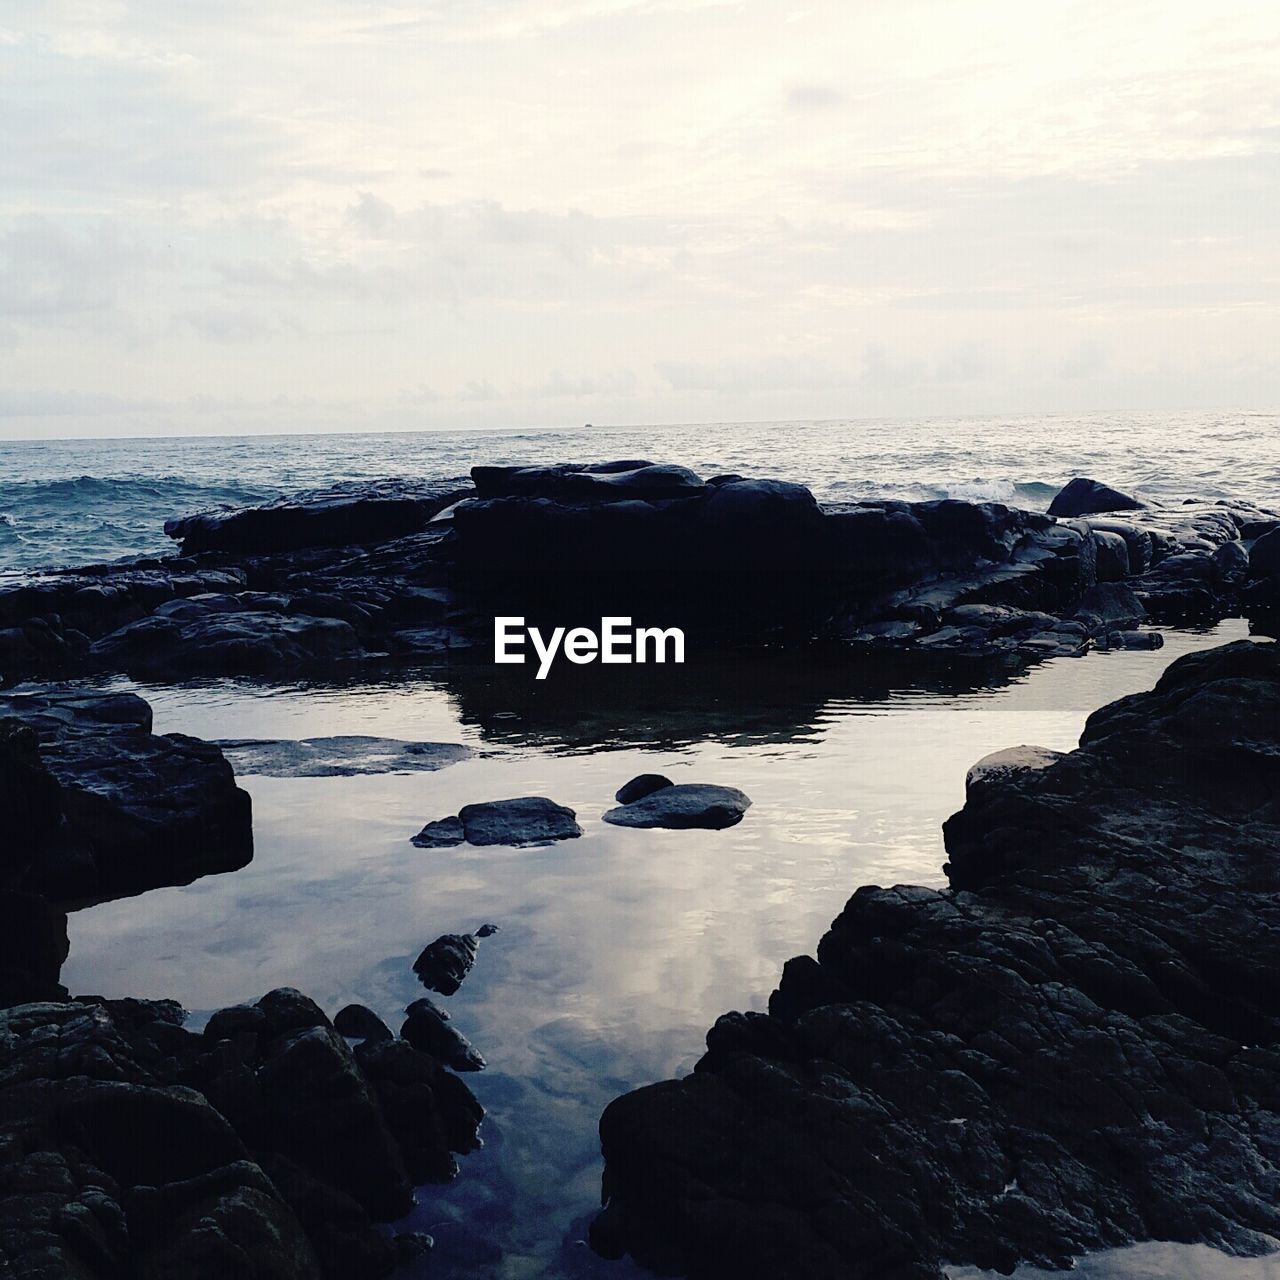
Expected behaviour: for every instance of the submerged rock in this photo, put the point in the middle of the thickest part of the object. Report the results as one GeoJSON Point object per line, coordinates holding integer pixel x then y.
{"type": "Point", "coordinates": [444, 963]}
{"type": "Point", "coordinates": [1073, 1047]}
{"type": "Point", "coordinates": [343, 756]}
{"type": "Point", "coordinates": [688, 804]}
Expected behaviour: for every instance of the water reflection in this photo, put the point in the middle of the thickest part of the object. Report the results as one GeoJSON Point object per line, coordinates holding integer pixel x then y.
{"type": "Point", "coordinates": [617, 950]}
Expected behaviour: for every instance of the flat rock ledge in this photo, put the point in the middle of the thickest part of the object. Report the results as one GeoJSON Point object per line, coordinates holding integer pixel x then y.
{"type": "Point", "coordinates": [263, 1149]}
{"type": "Point", "coordinates": [1074, 1046]}
{"type": "Point", "coordinates": [122, 809]}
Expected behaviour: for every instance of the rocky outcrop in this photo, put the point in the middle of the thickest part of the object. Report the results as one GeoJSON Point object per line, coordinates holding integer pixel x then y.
{"type": "Point", "coordinates": [344, 515]}
{"type": "Point", "coordinates": [264, 1149]}
{"type": "Point", "coordinates": [1074, 1046]}
{"type": "Point", "coordinates": [682, 806]}
{"type": "Point", "coordinates": [403, 572]}
{"type": "Point", "coordinates": [138, 809]}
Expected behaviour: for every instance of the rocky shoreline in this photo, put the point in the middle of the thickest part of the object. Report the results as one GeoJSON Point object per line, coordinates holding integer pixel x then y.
{"type": "Point", "coordinates": [1074, 1046]}
{"type": "Point", "coordinates": [1095, 924]}
{"type": "Point", "coordinates": [395, 572]}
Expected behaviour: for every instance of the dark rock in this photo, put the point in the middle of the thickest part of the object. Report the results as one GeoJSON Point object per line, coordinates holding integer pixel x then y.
{"type": "Point", "coordinates": [411, 1246]}
{"type": "Point", "coordinates": [33, 946]}
{"type": "Point", "coordinates": [357, 1022]}
{"type": "Point", "coordinates": [338, 757]}
{"type": "Point", "coordinates": [1113, 556]}
{"type": "Point", "coordinates": [287, 1009]}
{"type": "Point", "coordinates": [642, 785]}
{"type": "Point", "coordinates": [690, 804]}
{"type": "Point", "coordinates": [139, 809]}
{"type": "Point", "coordinates": [240, 1019]}
{"type": "Point", "coordinates": [1073, 1047]}
{"type": "Point", "coordinates": [445, 962]}
{"type": "Point", "coordinates": [218, 643]}
{"type": "Point", "coordinates": [440, 834]}
{"type": "Point", "coordinates": [526, 820]}
{"type": "Point", "coordinates": [1084, 497]}
{"type": "Point", "coordinates": [266, 1161]}
{"type": "Point", "coordinates": [369, 512]}
{"type": "Point", "coordinates": [487, 930]}
{"type": "Point", "coordinates": [427, 1031]}
{"type": "Point", "coordinates": [30, 798]}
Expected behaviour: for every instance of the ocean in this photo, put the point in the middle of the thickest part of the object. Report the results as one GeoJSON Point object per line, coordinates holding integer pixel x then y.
{"type": "Point", "coordinates": [67, 502]}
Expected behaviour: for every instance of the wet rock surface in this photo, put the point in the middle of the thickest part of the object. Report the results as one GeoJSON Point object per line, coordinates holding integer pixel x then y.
{"type": "Point", "coordinates": [394, 572]}
{"type": "Point", "coordinates": [683, 806]}
{"type": "Point", "coordinates": [264, 1149]}
{"type": "Point", "coordinates": [517, 823]}
{"type": "Point", "coordinates": [338, 757]}
{"type": "Point", "coordinates": [444, 963]}
{"type": "Point", "coordinates": [137, 809]}
{"type": "Point", "coordinates": [1074, 1046]}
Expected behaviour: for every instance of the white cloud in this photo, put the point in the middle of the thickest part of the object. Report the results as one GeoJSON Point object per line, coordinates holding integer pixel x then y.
{"type": "Point", "coordinates": [661, 209]}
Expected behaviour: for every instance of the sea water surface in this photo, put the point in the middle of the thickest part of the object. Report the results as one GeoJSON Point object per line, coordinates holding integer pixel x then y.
{"type": "Point", "coordinates": [66, 502]}
{"type": "Point", "coordinates": [617, 950]}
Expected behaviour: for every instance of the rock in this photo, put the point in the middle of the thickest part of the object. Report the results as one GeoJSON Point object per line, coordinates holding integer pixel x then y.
{"type": "Point", "coordinates": [526, 820]}
{"type": "Point", "coordinates": [1073, 1047]}
{"type": "Point", "coordinates": [487, 930]}
{"type": "Point", "coordinates": [999, 766]}
{"type": "Point", "coordinates": [440, 834]}
{"type": "Point", "coordinates": [356, 1022]}
{"type": "Point", "coordinates": [445, 962]}
{"type": "Point", "coordinates": [30, 798]}
{"type": "Point", "coordinates": [1113, 556]}
{"type": "Point", "coordinates": [427, 1031]}
{"type": "Point", "coordinates": [1264, 556]}
{"type": "Point", "coordinates": [338, 757]}
{"type": "Point", "coordinates": [286, 1009]}
{"type": "Point", "coordinates": [411, 1246]}
{"type": "Point", "coordinates": [366, 512]}
{"type": "Point", "coordinates": [219, 643]}
{"type": "Point", "coordinates": [139, 809]}
{"type": "Point", "coordinates": [642, 785]}
{"type": "Point", "coordinates": [1083, 497]}
{"type": "Point", "coordinates": [689, 804]}
{"type": "Point", "coordinates": [33, 946]}
{"type": "Point", "coordinates": [133, 1148]}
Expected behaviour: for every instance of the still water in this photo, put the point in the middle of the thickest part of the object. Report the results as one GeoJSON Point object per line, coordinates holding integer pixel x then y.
{"type": "Point", "coordinates": [616, 950]}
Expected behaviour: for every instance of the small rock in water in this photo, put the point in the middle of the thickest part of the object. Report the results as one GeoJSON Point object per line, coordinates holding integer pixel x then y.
{"type": "Point", "coordinates": [486, 931]}
{"type": "Point", "coordinates": [440, 834]}
{"type": "Point", "coordinates": [526, 820]}
{"type": "Point", "coordinates": [338, 757]}
{"type": "Point", "coordinates": [689, 804]}
{"type": "Point", "coordinates": [642, 785]}
{"type": "Point", "coordinates": [357, 1022]}
{"type": "Point", "coordinates": [443, 965]}
{"type": "Point", "coordinates": [428, 1032]}
{"type": "Point", "coordinates": [428, 1005]}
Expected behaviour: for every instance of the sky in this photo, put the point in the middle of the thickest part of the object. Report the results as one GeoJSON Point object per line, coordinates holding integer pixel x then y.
{"type": "Point", "coordinates": [278, 215]}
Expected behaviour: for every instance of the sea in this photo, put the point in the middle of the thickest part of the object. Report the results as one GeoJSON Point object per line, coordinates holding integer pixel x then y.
{"type": "Point", "coordinates": [615, 951]}
{"type": "Point", "coordinates": [66, 502]}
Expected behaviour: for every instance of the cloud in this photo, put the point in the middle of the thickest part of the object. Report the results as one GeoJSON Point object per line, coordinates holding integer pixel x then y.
{"type": "Point", "coordinates": [814, 97]}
